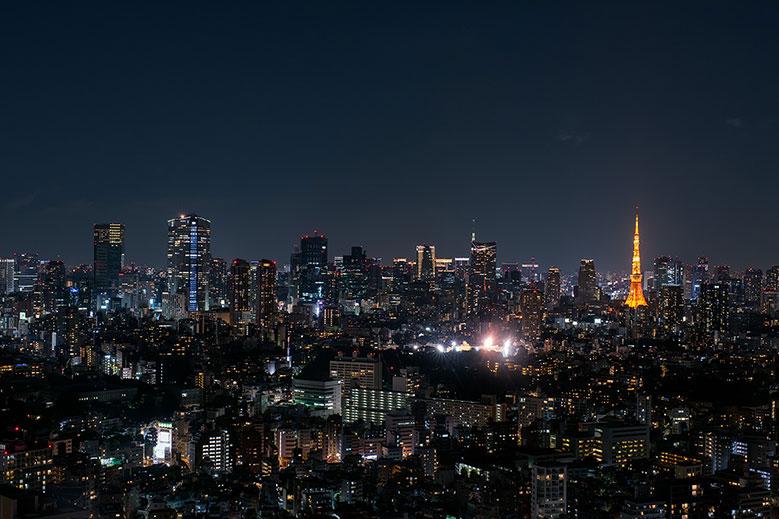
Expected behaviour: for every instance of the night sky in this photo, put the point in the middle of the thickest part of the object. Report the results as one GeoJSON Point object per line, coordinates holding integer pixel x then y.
{"type": "Point", "coordinates": [389, 124]}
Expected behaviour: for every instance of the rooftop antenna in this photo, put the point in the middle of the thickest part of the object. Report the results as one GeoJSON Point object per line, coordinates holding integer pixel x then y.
{"type": "Point", "coordinates": [473, 230]}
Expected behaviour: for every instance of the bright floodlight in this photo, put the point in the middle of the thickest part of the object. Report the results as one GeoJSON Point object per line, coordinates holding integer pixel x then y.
{"type": "Point", "coordinates": [488, 341]}
{"type": "Point", "coordinates": [440, 348]}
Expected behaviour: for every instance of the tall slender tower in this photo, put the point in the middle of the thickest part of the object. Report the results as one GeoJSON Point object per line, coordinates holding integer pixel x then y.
{"type": "Point", "coordinates": [636, 295]}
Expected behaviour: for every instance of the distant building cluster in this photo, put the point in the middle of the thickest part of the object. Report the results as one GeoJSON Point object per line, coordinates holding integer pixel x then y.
{"type": "Point", "coordinates": [345, 386]}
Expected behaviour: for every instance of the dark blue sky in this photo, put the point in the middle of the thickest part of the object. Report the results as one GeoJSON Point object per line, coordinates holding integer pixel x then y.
{"type": "Point", "coordinates": [389, 124]}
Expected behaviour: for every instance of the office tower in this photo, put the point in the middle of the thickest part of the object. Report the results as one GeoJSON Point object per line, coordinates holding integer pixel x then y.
{"type": "Point", "coordinates": [552, 289]}
{"type": "Point", "coordinates": [714, 307]}
{"type": "Point", "coordinates": [217, 283]}
{"type": "Point", "coordinates": [587, 287]}
{"type": "Point", "coordinates": [313, 250]}
{"type": "Point", "coordinates": [240, 304]}
{"type": "Point", "coordinates": [549, 498]}
{"type": "Point", "coordinates": [189, 258]}
{"type": "Point", "coordinates": [52, 286]}
{"type": "Point", "coordinates": [770, 299]}
{"type": "Point", "coordinates": [700, 275]}
{"type": "Point", "coordinates": [7, 276]}
{"type": "Point", "coordinates": [484, 271]}
{"type": "Point", "coordinates": [530, 271]}
{"type": "Point", "coordinates": [266, 295]}
{"type": "Point", "coordinates": [354, 275]}
{"type": "Point", "coordinates": [532, 305]}
{"type": "Point", "coordinates": [27, 266]}
{"type": "Point", "coordinates": [364, 372]}
{"type": "Point", "coordinates": [108, 245]}
{"type": "Point", "coordinates": [753, 287]}
{"type": "Point", "coordinates": [667, 271]}
{"type": "Point", "coordinates": [636, 295]}
{"type": "Point", "coordinates": [670, 307]}
{"type": "Point", "coordinates": [312, 268]}
{"type": "Point", "coordinates": [426, 262]}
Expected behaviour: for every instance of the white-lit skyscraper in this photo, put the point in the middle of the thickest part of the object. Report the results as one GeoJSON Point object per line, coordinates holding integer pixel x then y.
{"type": "Point", "coordinates": [189, 259]}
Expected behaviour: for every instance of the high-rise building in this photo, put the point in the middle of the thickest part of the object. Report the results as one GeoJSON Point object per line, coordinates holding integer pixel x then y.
{"type": "Point", "coordinates": [353, 279]}
{"type": "Point", "coordinates": [714, 307]}
{"type": "Point", "coordinates": [549, 498]}
{"type": "Point", "coordinates": [108, 244]}
{"type": "Point", "coordinates": [217, 283]}
{"type": "Point", "coordinates": [52, 286]}
{"type": "Point", "coordinates": [313, 250]}
{"type": "Point", "coordinates": [770, 299]}
{"type": "Point", "coordinates": [240, 304]}
{"type": "Point", "coordinates": [587, 287]}
{"type": "Point", "coordinates": [753, 287]}
{"type": "Point", "coordinates": [484, 272]}
{"type": "Point", "coordinates": [27, 267]}
{"type": "Point", "coordinates": [552, 288]}
{"type": "Point", "coordinates": [670, 307]}
{"type": "Point", "coordinates": [426, 262]}
{"type": "Point", "coordinates": [189, 260]}
{"type": "Point", "coordinates": [7, 276]}
{"type": "Point", "coordinates": [668, 271]}
{"type": "Point", "coordinates": [532, 305]}
{"type": "Point", "coordinates": [312, 268]}
{"type": "Point", "coordinates": [700, 275]}
{"type": "Point", "coordinates": [636, 295]}
{"type": "Point", "coordinates": [266, 295]}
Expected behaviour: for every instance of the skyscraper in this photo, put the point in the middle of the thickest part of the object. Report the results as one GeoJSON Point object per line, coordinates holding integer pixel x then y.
{"type": "Point", "coordinates": [552, 288]}
{"type": "Point", "coordinates": [189, 259]}
{"type": "Point", "coordinates": [266, 295]}
{"type": "Point", "coordinates": [312, 268]}
{"type": "Point", "coordinates": [670, 307]}
{"type": "Point", "coordinates": [587, 287]}
{"type": "Point", "coordinates": [7, 276]}
{"type": "Point", "coordinates": [636, 295]}
{"type": "Point", "coordinates": [52, 286]}
{"type": "Point", "coordinates": [484, 271]}
{"type": "Point", "coordinates": [217, 283]}
{"type": "Point", "coordinates": [426, 262]}
{"type": "Point", "coordinates": [753, 287]}
{"type": "Point", "coordinates": [700, 275]}
{"type": "Point", "coordinates": [240, 305]}
{"type": "Point", "coordinates": [771, 290]}
{"type": "Point", "coordinates": [108, 244]}
{"type": "Point", "coordinates": [668, 271]}
{"type": "Point", "coordinates": [532, 306]}
{"type": "Point", "coordinates": [714, 307]}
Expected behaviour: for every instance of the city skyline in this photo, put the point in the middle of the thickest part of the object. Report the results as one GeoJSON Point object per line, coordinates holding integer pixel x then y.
{"type": "Point", "coordinates": [384, 260]}
{"type": "Point", "coordinates": [343, 245]}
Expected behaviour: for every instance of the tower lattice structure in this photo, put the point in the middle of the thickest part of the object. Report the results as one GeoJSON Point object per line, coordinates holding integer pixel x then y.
{"type": "Point", "coordinates": [636, 295]}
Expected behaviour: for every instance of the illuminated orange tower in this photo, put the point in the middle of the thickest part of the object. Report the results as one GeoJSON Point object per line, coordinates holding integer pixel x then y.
{"type": "Point", "coordinates": [636, 295]}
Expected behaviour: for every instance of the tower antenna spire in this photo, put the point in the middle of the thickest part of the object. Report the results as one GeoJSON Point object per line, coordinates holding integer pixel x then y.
{"type": "Point", "coordinates": [473, 230]}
